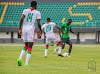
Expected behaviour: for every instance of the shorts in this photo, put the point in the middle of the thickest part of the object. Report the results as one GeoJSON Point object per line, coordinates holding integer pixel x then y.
{"type": "Point", "coordinates": [65, 40]}
{"type": "Point", "coordinates": [52, 37]}
{"type": "Point", "coordinates": [28, 34]}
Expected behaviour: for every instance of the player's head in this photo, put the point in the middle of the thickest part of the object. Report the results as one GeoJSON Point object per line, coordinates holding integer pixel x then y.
{"type": "Point", "coordinates": [34, 4]}
{"type": "Point", "coordinates": [48, 19]}
{"type": "Point", "coordinates": [69, 21]}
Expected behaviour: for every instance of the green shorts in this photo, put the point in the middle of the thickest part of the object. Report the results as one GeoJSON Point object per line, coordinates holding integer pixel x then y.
{"type": "Point", "coordinates": [65, 40]}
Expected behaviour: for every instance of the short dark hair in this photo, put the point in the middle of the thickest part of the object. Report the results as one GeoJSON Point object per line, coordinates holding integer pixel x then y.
{"type": "Point", "coordinates": [69, 19]}
{"type": "Point", "coordinates": [48, 19]}
{"type": "Point", "coordinates": [33, 4]}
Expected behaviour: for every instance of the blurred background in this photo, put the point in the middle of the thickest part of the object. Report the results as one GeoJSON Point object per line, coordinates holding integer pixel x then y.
{"type": "Point", "coordinates": [84, 13]}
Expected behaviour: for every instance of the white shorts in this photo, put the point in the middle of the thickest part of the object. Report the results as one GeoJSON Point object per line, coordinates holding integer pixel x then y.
{"type": "Point", "coordinates": [52, 37]}
{"type": "Point", "coordinates": [28, 34]}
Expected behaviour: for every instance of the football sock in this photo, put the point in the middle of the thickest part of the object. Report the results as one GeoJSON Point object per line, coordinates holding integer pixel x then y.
{"type": "Point", "coordinates": [46, 52]}
{"type": "Point", "coordinates": [27, 57]}
{"type": "Point", "coordinates": [59, 51]}
{"type": "Point", "coordinates": [22, 53]}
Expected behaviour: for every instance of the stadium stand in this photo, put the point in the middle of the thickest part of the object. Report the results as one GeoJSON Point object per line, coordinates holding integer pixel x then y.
{"type": "Point", "coordinates": [83, 14]}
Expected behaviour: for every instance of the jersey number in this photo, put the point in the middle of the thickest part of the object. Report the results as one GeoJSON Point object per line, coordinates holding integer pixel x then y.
{"type": "Point", "coordinates": [29, 17]}
{"type": "Point", "coordinates": [48, 28]}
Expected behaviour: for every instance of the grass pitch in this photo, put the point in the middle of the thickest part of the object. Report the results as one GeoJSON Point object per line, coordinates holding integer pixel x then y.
{"type": "Point", "coordinates": [76, 64]}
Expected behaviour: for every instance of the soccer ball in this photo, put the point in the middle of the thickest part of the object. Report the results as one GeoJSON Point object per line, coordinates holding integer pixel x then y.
{"type": "Point", "coordinates": [65, 54]}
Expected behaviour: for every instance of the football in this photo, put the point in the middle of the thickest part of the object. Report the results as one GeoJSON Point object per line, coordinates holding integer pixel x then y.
{"type": "Point", "coordinates": [65, 54]}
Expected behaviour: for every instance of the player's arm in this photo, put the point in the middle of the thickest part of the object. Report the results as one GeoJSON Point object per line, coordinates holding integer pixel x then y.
{"type": "Point", "coordinates": [38, 20]}
{"type": "Point", "coordinates": [62, 26]}
{"type": "Point", "coordinates": [59, 29]}
{"type": "Point", "coordinates": [59, 33]}
{"type": "Point", "coordinates": [72, 31]}
{"type": "Point", "coordinates": [20, 24]}
{"type": "Point", "coordinates": [39, 24]}
{"type": "Point", "coordinates": [42, 27]}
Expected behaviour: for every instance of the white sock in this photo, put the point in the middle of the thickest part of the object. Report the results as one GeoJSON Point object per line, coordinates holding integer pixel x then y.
{"type": "Point", "coordinates": [46, 52]}
{"type": "Point", "coordinates": [27, 58]}
{"type": "Point", "coordinates": [22, 54]}
{"type": "Point", "coordinates": [59, 50]}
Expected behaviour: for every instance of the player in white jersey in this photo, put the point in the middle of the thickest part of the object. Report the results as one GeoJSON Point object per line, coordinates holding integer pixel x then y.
{"type": "Point", "coordinates": [48, 29]}
{"type": "Point", "coordinates": [28, 19]}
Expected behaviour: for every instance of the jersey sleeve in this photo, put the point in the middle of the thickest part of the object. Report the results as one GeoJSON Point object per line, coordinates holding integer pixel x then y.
{"type": "Point", "coordinates": [39, 15]}
{"type": "Point", "coordinates": [24, 12]}
{"type": "Point", "coordinates": [42, 27]}
{"type": "Point", "coordinates": [62, 26]}
{"type": "Point", "coordinates": [54, 24]}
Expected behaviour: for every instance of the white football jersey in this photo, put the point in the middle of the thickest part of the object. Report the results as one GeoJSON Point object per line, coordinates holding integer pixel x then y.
{"type": "Point", "coordinates": [48, 27]}
{"type": "Point", "coordinates": [30, 17]}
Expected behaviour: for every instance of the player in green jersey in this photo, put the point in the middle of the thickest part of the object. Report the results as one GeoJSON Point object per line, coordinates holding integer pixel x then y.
{"type": "Point", "coordinates": [66, 28]}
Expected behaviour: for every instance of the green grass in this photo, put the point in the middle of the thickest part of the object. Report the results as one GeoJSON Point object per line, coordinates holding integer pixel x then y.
{"type": "Point", "coordinates": [76, 64]}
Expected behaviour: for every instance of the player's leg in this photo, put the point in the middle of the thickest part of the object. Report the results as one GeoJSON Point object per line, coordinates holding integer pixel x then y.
{"type": "Point", "coordinates": [60, 49]}
{"type": "Point", "coordinates": [46, 51]}
{"type": "Point", "coordinates": [46, 48]}
{"type": "Point", "coordinates": [24, 35]}
{"type": "Point", "coordinates": [22, 54]}
{"type": "Point", "coordinates": [57, 39]}
{"type": "Point", "coordinates": [24, 48]}
{"type": "Point", "coordinates": [63, 45]}
{"type": "Point", "coordinates": [55, 50]}
{"type": "Point", "coordinates": [30, 44]}
{"type": "Point", "coordinates": [30, 40]}
{"type": "Point", "coordinates": [70, 46]}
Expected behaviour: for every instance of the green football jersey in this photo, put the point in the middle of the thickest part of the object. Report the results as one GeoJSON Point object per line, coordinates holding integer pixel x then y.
{"type": "Point", "coordinates": [66, 29]}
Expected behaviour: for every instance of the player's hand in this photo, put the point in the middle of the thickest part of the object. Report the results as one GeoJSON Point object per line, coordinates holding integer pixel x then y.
{"type": "Point", "coordinates": [39, 33]}
{"type": "Point", "coordinates": [20, 32]}
{"type": "Point", "coordinates": [76, 33]}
